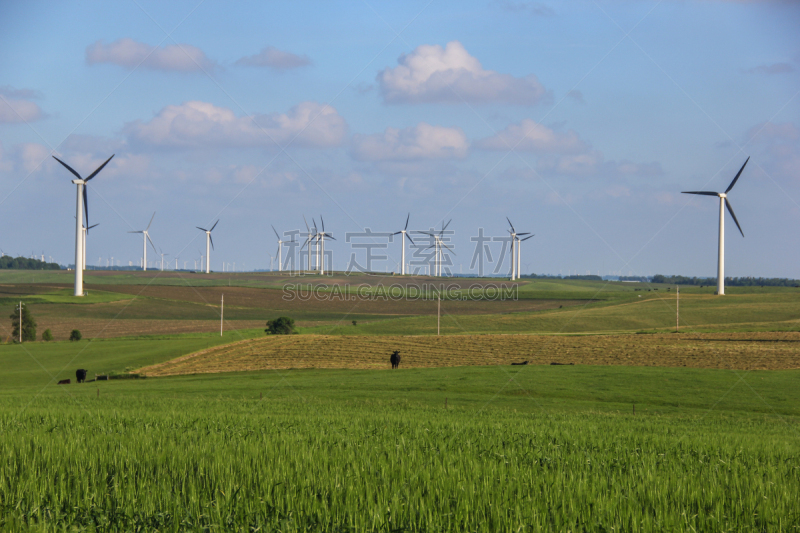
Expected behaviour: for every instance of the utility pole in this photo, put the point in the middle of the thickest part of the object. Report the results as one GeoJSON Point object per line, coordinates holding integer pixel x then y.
{"type": "Point", "coordinates": [221, 310]}
{"type": "Point", "coordinates": [677, 308]}
{"type": "Point", "coordinates": [20, 322]}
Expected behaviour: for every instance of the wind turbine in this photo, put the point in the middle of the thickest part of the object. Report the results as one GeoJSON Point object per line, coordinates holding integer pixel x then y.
{"type": "Point", "coordinates": [515, 250]}
{"type": "Point", "coordinates": [81, 205]}
{"type": "Point", "coordinates": [208, 242]}
{"type": "Point", "coordinates": [438, 244]}
{"type": "Point", "coordinates": [145, 238]}
{"type": "Point", "coordinates": [403, 245]}
{"type": "Point", "coordinates": [519, 253]}
{"type": "Point", "coordinates": [309, 238]}
{"type": "Point", "coordinates": [321, 250]}
{"type": "Point", "coordinates": [723, 203]}
{"type": "Point", "coordinates": [162, 260]}
{"type": "Point", "coordinates": [280, 245]}
{"type": "Point", "coordinates": [85, 233]}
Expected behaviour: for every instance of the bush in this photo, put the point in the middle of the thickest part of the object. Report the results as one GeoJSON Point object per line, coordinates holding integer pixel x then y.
{"type": "Point", "coordinates": [280, 326]}
{"type": "Point", "coordinates": [75, 335]}
{"type": "Point", "coordinates": [47, 335]}
{"type": "Point", "coordinates": [355, 323]}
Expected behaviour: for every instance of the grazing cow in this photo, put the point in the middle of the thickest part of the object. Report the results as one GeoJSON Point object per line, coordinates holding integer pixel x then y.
{"type": "Point", "coordinates": [561, 364]}
{"type": "Point", "coordinates": [80, 375]}
{"type": "Point", "coordinates": [395, 359]}
{"type": "Point", "coordinates": [64, 382]}
{"type": "Point", "coordinates": [522, 363]}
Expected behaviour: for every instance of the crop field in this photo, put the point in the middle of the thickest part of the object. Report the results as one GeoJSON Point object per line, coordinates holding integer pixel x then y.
{"type": "Point", "coordinates": [636, 429]}
{"type": "Point", "coordinates": [367, 451]}
{"type": "Point", "coordinates": [744, 351]}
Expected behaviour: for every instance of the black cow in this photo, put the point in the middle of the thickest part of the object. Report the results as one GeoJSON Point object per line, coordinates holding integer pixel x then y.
{"type": "Point", "coordinates": [395, 359]}
{"type": "Point", "coordinates": [80, 375]}
{"type": "Point", "coordinates": [522, 363]}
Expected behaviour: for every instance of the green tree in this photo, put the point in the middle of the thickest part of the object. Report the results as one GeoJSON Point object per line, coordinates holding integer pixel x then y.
{"type": "Point", "coordinates": [28, 324]}
{"type": "Point", "coordinates": [280, 326]}
{"type": "Point", "coordinates": [47, 335]}
{"type": "Point", "coordinates": [75, 335]}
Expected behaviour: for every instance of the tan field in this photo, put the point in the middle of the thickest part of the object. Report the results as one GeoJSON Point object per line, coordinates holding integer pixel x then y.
{"type": "Point", "coordinates": [743, 351]}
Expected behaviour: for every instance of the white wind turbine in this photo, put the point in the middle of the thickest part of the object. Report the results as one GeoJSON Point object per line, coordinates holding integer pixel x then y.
{"type": "Point", "coordinates": [405, 236]}
{"type": "Point", "coordinates": [145, 238]}
{"type": "Point", "coordinates": [438, 246]}
{"type": "Point", "coordinates": [80, 207]}
{"type": "Point", "coordinates": [85, 233]}
{"type": "Point", "coordinates": [210, 242]}
{"type": "Point", "coordinates": [321, 247]}
{"type": "Point", "coordinates": [515, 261]}
{"type": "Point", "coordinates": [723, 203]}
{"type": "Point", "coordinates": [280, 246]}
{"type": "Point", "coordinates": [311, 236]}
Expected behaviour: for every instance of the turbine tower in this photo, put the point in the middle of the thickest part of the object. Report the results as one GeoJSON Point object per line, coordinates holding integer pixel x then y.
{"type": "Point", "coordinates": [210, 242]}
{"type": "Point", "coordinates": [81, 205]}
{"type": "Point", "coordinates": [145, 238]}
{"type": "Point", "coordinates": [280, 245]}
{"type": "Point", "coordinates": [405, 234]}
{"type": "Point", "coordinates": [723, 203]}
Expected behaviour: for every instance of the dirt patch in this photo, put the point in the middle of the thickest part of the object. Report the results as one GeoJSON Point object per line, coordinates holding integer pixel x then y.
{"type": "Point", "coordinates": [744, 351]}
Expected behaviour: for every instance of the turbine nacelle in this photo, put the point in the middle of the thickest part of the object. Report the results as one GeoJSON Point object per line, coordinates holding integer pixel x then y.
{"type": "Point", "coordinates": [79, 182]}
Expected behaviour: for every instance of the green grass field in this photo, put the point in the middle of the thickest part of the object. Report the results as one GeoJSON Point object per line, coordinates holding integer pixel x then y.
{"type": "Point", "coordinates": [491, 448]}
{"type": "Point", "coordinates": [532, 449]}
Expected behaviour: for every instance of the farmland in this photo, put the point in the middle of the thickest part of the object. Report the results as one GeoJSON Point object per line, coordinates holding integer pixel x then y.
{"type": "Point", "coordinates": [638, 428]}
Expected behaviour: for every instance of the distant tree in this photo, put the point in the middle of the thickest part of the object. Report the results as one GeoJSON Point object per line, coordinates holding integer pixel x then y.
{"type": "Point", "coordinates": [28, 324]}
{"type": "Point", "coordinates": [280, 326]}
{"type": "Point", "coordinates": [24, 263]}
{"type": "Point", "coordinates": [355, 323]}
{"type": "Point", "coordinates": [47, 335]}
{"type": "Point", "coordinates": [75, 335]}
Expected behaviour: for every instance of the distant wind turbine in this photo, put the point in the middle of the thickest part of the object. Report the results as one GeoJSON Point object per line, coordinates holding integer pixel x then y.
{"type": "Point", "coordinates": [321, 251]}
{"type": "Point", "coordinates": [280, 245]}
{"type": "Point", "coordinates": [438, 246]}
{"type": "Point", "coordinates": [80, 207]}
{"type": "Point", "coordinates": [85, 234]}
{"type": "Point", "coordinates": [145, 238]}
{"type": "Point", "coordinates": [723, 203]}
{"type": "Point", "coordinates": [515, 261]}
{"type": "Point", "coordinates": [209, 242]}
{"type": "Point", "coordinates": [405, 236]}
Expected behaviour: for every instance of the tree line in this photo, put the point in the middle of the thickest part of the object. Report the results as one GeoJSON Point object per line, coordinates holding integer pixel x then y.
{"type": "Point", "coordinates": [729, 282]}
{"type": "Point", "coordinates": [24, 263]}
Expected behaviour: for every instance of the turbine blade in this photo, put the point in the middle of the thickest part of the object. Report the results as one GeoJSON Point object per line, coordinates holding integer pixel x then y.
{"type": "Point", "coordinates": [410, 239]}
{"type": "Point", "coordinates": [151, 242]}
{"type": "Point", "coordinates": [408, 217]}
{"type": "Point", "coordinates": [526, 238]}
{"type": "Point", "coordinates": [510, 224]}
{"type": "Point", "coordinates": [306, 221]}
{"type": "Point", "coordinates": [68, 168]}
{"type": "Point", "coordinates": [445, 226]}
{"type": "Point", "coordinates": [736, 178]}
{"type": "Point", "coordinates": [201, 229]}
{"type": "Point", "coordinates": [135, 232]}
{"type": "Point", "coordinates": [86, 204]}
{"type": "Point", "coordinates": [397, 232]}
{"type": "Point", "coordinates": [214, 226]}
{"type": "Point", "coordinates": [730, 210]}
{"type": "Point", "coordinates": [323, 224]}
{"type": "Point", "coordinates": [443, 244]}
{"type": "Point", "coordinates": [276, 232]}
{"type": "Point", "coordinates": [704, 193]}
{"type": "Point", "coordinates": [330, 236]}
{"type": "Point", "coordinates": [521, 234]}
{"type": "Point", "coordinates": [210, 240]}
{"type": "Point", "coordinates": [151, 219]}
{"type": "Point", "coordinates": [279, 251]}
{"type": "Point", "coordinates": [93, 174]}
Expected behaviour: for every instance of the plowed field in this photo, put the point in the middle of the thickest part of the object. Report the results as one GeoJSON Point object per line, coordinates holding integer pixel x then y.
{"type": "Point", "coordinates": [745, 351]}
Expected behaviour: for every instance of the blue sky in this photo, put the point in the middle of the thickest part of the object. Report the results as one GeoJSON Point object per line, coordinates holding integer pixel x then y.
{"type": "Point", "coordinates": [580, 121]}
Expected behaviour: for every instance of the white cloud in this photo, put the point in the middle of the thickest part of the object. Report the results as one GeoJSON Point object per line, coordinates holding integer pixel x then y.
{"type": "Point", "coordinates": [435, 74]}
{"type": "Point", "coordinates": [776, 148]}
{"type": "Point", "coordinates": [31, 156]}
{"type": "Point", "coordinates": [130, 54]}
{"type": "Point", "coordinates": [274, 58]}
{"type": "Point", "coordinates": [422, 141]}
{"type": "Point", "coordinates": [15, 106]}
{"type": "Point", "coordinates": [204, 125]}
{"type": "Point", "coordinates": [530, 136]}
